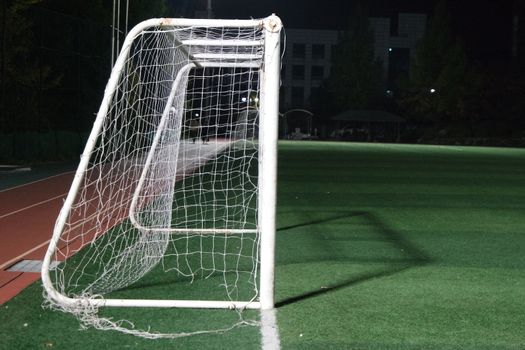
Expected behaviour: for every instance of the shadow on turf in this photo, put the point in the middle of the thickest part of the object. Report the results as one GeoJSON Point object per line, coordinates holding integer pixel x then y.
{"type": "Point", "coordinates": [414, 256]}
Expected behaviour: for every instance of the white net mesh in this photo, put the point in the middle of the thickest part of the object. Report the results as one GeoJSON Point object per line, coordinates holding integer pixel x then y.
{"type": "Point", "coordinates": [171, 182]}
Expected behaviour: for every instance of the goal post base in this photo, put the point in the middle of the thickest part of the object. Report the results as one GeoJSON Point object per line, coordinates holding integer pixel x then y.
{"type": "Point", "coordinates": [193, 304]}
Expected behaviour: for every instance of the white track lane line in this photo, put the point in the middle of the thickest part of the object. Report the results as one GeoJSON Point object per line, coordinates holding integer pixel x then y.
{"type": "Point", "coordinates": [19, 257]}
{"type": "Point", "coordinates": [32, 182]}
{"type": "Point", "coordinates": [33, 205]}
{"type": "Point", "coordinates": [8, 263]}
{"type": "Point", "coordinates": [15, 259]}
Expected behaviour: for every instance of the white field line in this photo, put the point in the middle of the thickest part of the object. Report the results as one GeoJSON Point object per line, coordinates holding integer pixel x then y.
{"type": "Point", "coordinates": [270, 330]}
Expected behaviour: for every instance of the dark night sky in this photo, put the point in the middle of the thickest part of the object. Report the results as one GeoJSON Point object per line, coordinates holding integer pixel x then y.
{"type": "Point", "coordinates": [333, 13]}
{"type": "Point", "coordinates": [485, 26]}
{"type": "Point", "coordinates": [310, 13]}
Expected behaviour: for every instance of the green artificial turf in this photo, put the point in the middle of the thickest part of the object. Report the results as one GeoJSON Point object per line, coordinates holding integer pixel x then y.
{"type": "Point", "coordinates": [378, 247]}
{"type": "Point", "coordinates": [401, 247]}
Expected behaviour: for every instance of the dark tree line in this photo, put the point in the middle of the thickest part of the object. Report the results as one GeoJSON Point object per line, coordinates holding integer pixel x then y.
{"type": "Point", "coordinates": [56, 59]}
{"type": "Point", "coordinates": [448, 93]}
{"type": "Point", "coordinates": [459, 95]}
{"type": "Point", "coordinates": [355, 80]}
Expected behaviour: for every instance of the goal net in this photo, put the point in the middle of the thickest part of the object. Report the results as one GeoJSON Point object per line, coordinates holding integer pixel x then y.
{"type": "Point", "coordinates": [176, 185]}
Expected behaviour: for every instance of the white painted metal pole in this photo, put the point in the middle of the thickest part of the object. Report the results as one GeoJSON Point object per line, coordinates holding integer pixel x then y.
{"type": "Point", "coordinates": [268, 131]}
{"type": "Point", "coordinates": [111, 87]}
{"type": "Point", "coordinates": [127, 13]}
{"type": "Point", "coordinates": [267, 163]}
{"type": "Point", "coordinates": [118, 27]}
{"type": "Point", "coordinates": [113, 37]}
{"type": "Point", "coordinates": [176, 87]}
{"type": "Point", "coordinates": [208, 10]}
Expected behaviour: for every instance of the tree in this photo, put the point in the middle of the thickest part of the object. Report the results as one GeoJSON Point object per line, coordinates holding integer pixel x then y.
{"type": "Point", "coordinates": [356, 76]}
{"type": "Point", "coordinates": [443, 85]}
{"type": "Point", "coordinates": [23, 77]}
{"type": "Point", "coordinates": [69, 44]}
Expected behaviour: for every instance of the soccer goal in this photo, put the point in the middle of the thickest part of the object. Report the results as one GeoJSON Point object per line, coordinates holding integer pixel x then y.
{"type": "Point", "coordinates": [178, 176]}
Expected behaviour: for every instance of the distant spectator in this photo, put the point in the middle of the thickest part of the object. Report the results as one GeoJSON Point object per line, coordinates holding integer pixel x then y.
{"type": "Point", "coordinates": [194, 129]}
{"type": "Point", "coordinates": [204, 130]}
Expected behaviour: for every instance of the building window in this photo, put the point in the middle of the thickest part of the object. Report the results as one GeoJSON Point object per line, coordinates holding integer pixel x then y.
{"type": "Point", "coordinates": [318, 51]}
{"type": "Point", "coordinates": [317, 72]}
{"type": "Point", "coordinates": [298, 50]}
{"type": "Point", "coordinates": [297, 72]}
{"type": "Point", "coordinates": [297, 96]}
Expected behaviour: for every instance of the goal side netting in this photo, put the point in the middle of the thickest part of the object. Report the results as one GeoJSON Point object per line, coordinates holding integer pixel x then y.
{"type": "Point", "coordinates": [176, 186]}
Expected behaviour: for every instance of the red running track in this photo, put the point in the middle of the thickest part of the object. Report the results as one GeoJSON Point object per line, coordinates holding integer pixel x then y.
{"type": "Point", "coordinates": [27, 217]}
{"type": "Point", "coordinates": [28, 214]}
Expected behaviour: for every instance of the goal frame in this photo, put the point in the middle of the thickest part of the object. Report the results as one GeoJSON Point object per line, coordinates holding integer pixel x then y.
{"type": "Point", "coordinates": [269, 73]}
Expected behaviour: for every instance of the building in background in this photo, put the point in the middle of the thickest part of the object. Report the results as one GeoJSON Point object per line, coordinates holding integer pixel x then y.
{"type": "Point", "coordinates": [308, 55]}
{"type": "Point", "coordinates": [306, 63]}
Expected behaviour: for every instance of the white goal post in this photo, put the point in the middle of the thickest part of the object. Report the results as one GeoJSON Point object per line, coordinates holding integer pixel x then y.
{"type": "Point", "coordinates": [178, 174]}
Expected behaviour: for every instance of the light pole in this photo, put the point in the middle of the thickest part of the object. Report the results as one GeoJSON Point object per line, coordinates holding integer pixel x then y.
{"type": "Point", "coordinates": [115, 29]}
{"type": "Point", "coordinates": [209, 10]}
